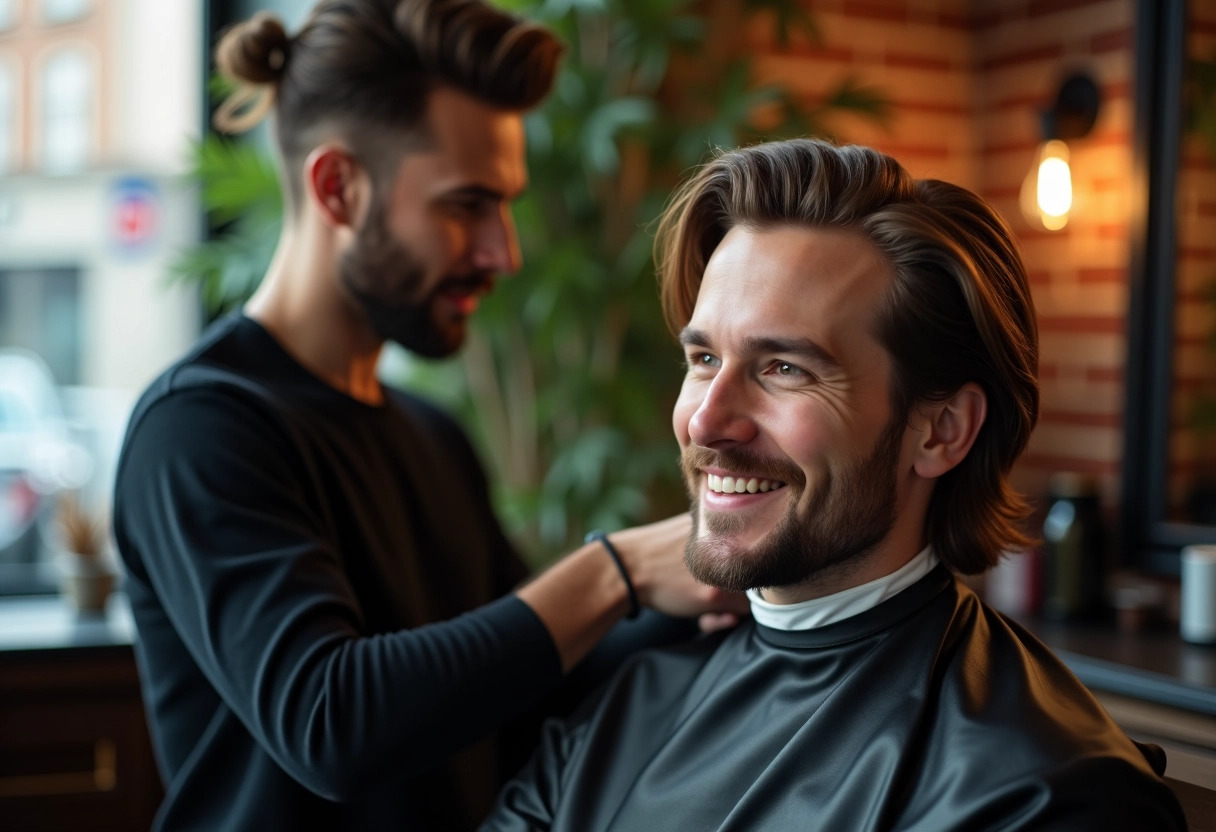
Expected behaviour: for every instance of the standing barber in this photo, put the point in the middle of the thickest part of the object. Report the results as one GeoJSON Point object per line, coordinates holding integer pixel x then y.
{"type": "Point", "coordinates": [312, 559]}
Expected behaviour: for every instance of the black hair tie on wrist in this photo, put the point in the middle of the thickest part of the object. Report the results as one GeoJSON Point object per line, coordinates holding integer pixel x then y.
{"type": "Point", "coordinates": [634, 607]}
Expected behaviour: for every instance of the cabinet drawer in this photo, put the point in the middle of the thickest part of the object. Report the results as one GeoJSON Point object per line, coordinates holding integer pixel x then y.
{"type": "Point", "coordinates": [74, 747]}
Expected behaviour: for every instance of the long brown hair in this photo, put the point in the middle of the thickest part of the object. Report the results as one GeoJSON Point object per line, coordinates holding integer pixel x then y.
{"type": "Point", "coordinates": [366, 67]}
{"type": "Point", "coordinates": [958, 308]}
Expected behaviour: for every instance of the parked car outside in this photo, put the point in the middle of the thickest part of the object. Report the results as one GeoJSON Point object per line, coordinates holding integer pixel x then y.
{"type": "Point", "coordinates": [38, 458]}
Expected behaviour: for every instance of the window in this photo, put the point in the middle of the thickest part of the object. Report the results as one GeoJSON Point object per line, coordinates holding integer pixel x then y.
{"type": "Point", "coordinates": [39, 456]}
{"type": "Point", "coordinates": [8, 116]}
{"type": "Point", "coordinates": [65, 11]}
{"type": "Point", "coordinates": [67, 111]}
{"type": "Point", "coordinates": [8, 14]}
{"type": "Point", "coordinates": [40, 312]}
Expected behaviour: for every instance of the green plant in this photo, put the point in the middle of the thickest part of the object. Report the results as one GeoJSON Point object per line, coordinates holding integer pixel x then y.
{"type": "Point", "coordinates": [569, 375]}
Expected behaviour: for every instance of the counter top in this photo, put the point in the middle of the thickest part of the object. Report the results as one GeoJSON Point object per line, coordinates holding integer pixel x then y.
{"type": "Point", "coordinates": [48, 623]}
{"type": "Point", "coordinates": [1156, 666]}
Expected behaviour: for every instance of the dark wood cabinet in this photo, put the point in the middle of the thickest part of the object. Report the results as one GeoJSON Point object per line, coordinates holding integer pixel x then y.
{"type": "Point", "coordinates": [74, 747]}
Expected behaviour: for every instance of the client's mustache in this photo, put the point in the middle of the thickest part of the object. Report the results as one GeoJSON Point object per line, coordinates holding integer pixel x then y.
{"type": "Point", "coordinates": [694, 458]}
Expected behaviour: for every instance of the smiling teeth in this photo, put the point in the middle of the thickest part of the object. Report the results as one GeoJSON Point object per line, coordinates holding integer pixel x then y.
{"type": "Point", "coordinates": [741, 485]}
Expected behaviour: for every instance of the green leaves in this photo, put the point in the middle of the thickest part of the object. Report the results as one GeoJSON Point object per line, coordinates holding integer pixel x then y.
{"type": "Point", "coordinates": [241, 197]}
{"type": "Point", "coordinates": [237, 180]}
{"type": "Point", "coordinates": [603, 128]}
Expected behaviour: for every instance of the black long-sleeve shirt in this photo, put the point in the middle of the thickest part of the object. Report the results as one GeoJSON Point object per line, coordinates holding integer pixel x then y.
{"type": "Point", "coordinates": [301, 568]}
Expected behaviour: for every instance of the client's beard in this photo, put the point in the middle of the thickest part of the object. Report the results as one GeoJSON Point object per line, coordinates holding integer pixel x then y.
{"type": "Point", "coordinates": [848, 513]}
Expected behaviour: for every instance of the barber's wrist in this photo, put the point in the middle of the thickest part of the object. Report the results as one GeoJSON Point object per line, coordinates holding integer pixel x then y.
{"type": "Point", "coordinates": [609, 550]}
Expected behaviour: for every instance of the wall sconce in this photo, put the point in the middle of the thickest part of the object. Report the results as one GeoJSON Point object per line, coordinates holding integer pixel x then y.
{"type": "Point", "coordinates": [1047, 190]}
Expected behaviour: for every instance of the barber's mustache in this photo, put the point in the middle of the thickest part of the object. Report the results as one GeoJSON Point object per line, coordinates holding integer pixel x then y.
{"type": "Point", "coordinates": [694, 458]}
{"type": "Point", "coordinates": [468, 283]}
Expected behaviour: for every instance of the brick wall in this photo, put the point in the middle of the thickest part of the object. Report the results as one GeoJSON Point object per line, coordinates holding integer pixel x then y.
{"type": "Point", "coordinates": [1079, 275]}
{"type": "Point", "coordinates": [967, 79]}
{"type": "Point", "coordinates": [918, 54]}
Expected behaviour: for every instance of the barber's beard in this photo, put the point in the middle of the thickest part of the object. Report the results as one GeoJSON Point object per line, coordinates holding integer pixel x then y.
{"type": "Point", "coordinates": [387, 281]}
{"type": "Point", "coordinates": [848, 513]}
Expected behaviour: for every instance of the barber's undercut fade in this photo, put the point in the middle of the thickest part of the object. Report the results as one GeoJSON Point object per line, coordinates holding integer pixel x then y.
{"type": "Point", "coordinates": [958, 309]}
{"type": "Point", "coordinates": [364, 69]}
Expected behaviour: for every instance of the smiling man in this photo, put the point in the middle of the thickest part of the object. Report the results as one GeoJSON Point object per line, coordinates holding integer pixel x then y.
{"type": "Point", "coordinates": [862, 360]}
{"type": "Point", "coordinates": [331, 627]}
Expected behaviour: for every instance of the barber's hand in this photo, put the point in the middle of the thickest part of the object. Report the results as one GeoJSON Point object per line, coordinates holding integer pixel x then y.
{"type": "Point", "coordinates": [654, 556]}
{"type": "Point", "coordinates": [713, 621]}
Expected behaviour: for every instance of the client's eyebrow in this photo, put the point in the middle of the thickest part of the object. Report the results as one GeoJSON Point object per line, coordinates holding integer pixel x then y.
{"type": "Point", "coordinates": [801, 347]}
{"type": "Point", "coordinates": [690, 337]}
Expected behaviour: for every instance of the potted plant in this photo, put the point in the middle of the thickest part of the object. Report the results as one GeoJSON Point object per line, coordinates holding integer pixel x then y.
{"type": "Point", "coordinates": [86, 576]}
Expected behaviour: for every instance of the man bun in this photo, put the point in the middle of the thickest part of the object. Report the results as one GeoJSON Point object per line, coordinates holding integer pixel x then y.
{"type": "Point", "coordinates": [253, 55]}
{"type": "Point", "coordinates": [254, 52]}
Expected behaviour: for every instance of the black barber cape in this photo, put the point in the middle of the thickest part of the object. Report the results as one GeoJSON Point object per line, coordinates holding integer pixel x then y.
{"type": "Point", "coordinates": [928, 712]}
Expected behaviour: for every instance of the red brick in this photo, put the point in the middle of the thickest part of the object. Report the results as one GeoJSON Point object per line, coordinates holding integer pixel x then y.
{"type": "Point", "coordinates": [1041, 8]}
{"type": "Point", "coordinates": [910, 61]}
{"type": "Point", "coordinates": [986, 19]}
{"type": "Point", "coordinates": [1117, 40]}
{"type": "Point", "coordinates": [1190, 384]}
{"type": "Point", "coordinates": [1200, 253]}
{"type": "Point", "coordinates": [1026, 56]}
{"type": "Point", "coordinates": [949, 20]}
{"type": "Point", "coordinates": [998, 194]}
{"type": "Point", "coordinates": [1027, 233]}
{"type": "Point", "coordinates": [1089, 420]}
{"type": "Point", "coordinates": [1195, 296]}
{"type": "Point", "coordinates": [1190, 340]}
{"type": "Point", "coordinates": [905, 151]}
{"type": "Point", "coordinates": [1112, 231]}
{"type": "Point", "coordinates": [938, 107]}
{"type": "Point", "coordinates": [1023, 101]}
{"type": "Point", "coordinates": [1197, 159]}
{"type": "Point", "coordinates": [1038, 277]}
{"type": "Point", "coordinates": [1108, 138]}
{"type": "Point", "coordinates": [896, 10]}
{"type": "Point", "coordinates": [1009, 147]}
{"type": "Point", "coordinates": [1201, 27]}
{"type": "Point", "coordinates": [1091, 275]}
{"type": "Point", "coordinates": [1081, 325]}
{"type": "Point", "coordinates": [1051, 462]}
{"type": "Point", "coordinates": [1205, 208]}
{"type": "Point", "coordinates": [1104, 374]}
{"type": "Point", "coordinates": [801, 49]}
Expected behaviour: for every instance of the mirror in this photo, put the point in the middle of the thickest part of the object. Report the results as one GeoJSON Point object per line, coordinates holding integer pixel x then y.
{"type": "Point", "coordinates": [1169, 493]}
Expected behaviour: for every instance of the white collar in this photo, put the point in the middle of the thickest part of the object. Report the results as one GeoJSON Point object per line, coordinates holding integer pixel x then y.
{"type": "Point", "coordinates": [829, 609]}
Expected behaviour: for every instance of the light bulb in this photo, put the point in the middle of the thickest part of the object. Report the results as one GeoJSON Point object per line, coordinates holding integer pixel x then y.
{"type": "Point", "coordinates": [1047, 191]}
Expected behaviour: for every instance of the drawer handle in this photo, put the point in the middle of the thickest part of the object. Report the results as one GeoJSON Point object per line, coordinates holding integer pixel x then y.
{"type": "Point", "coordinates": [102, 778]}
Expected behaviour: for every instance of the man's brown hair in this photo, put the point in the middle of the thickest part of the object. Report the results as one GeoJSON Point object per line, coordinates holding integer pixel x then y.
{"type": "Point", "coordinates": [365, 68]}
{"type": "Point", "coordinates": [958, 308]}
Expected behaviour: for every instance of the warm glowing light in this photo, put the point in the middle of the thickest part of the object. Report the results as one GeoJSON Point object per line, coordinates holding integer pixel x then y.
{"type": "Point", "coordinates": [1047, 192]}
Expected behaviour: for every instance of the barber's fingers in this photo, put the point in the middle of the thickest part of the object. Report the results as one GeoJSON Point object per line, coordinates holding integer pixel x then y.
{"type": "Point", "coordinates": [713, 621]}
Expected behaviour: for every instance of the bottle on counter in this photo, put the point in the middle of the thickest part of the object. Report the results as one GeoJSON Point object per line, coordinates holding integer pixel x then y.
{"type": "Point", "coordinates": [1074, 547]}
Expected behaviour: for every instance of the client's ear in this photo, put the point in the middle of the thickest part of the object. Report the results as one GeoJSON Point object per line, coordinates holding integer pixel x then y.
{"type": "Point", "coordinates": [951, 429]}
{"type": "Point", "coordinates": [334, 184]}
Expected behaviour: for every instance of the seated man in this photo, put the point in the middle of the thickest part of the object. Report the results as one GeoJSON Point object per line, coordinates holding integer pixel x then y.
{"type": "Point", "coordinates": [862, 359]}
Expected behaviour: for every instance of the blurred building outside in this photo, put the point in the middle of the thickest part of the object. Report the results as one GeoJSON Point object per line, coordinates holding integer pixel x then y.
{"type": "Point", "coordinates": [99, 102]}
